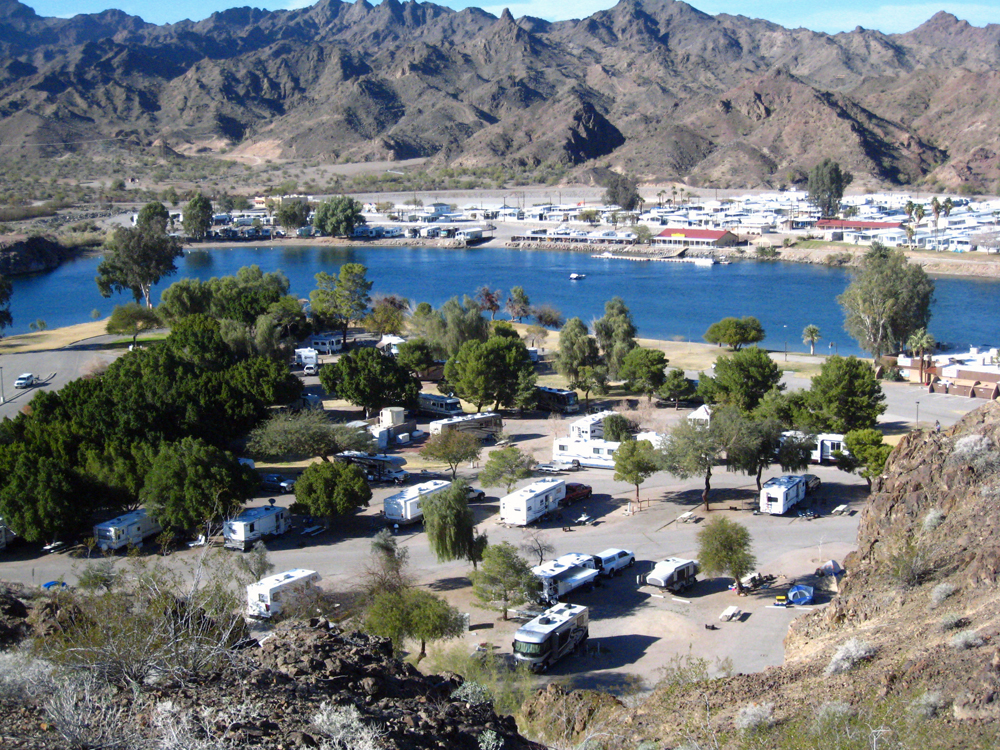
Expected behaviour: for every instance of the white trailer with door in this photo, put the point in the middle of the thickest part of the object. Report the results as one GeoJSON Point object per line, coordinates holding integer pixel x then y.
{"type": "Point", "coordinates": [781, 494]}
{"type": "Point", "coordinates": [130, 528]}
{"type": "Point", "coordinates": [407, 506]}
{"type": "Point", "coordinates": [674, 574]}
{"type": "Point", "coordinates": [255, 523]}
{"type": "Point", "coordinates": [565, 574]}
{"type": "Point", "coordinates": [528, 504]}
{"type": "Point", "coordinates": [544, 640]}
{"type": "Point", "coordinates": [270, 596]}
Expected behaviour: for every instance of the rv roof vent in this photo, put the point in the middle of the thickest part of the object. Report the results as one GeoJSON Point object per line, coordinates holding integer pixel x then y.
{"type": "Point", "coordinates": [544, 621]}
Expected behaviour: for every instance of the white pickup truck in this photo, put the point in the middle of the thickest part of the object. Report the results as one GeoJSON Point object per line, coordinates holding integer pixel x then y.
{"type": "Point", "coordinates": [25, 381]}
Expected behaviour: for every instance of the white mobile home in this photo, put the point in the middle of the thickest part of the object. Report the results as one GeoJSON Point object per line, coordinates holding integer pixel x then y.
{"type": "Point", "coordinates": [405, 507]}
{"type": "Point", "coordinates": [550, 636]}
{"type": "Point", "coordinates": [596, 454]}
{"type": "Point", "coordinates": [780, 494]}
{"type": "Point", "coordinates": [827, 444]}
{"type": "Point", "coordinates": [530, 503]}
{"type": "Point", "coordinates": [255, 523]}
{"type": "Point", "coordinates": [269, 596]}
{"type": "Point", "coordinates": [565, 574]}
{"type": "Point", "coordinates": [130, 528]}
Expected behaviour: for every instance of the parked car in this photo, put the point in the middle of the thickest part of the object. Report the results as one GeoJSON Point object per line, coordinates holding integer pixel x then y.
{"type": "Point", "coordinates": [612, 561]}
{"type": "Point", "coordinates": [474, 495]}
{"type": "Point", "coordinates": [271, 481]}
{"type": "Point", "coordinates": [813, 482]}
{"type": "Point", "coordinates": [288, 485]}
{"type": "Point", "coordinates": [25, 381]}
{"type": "Point", "coordinates": [576, 492]}
{"type": "Point", "coordinates": [310, 370]}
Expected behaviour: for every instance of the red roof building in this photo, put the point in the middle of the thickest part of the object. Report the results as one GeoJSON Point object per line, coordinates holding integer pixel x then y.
{"type": "Point", "coordinates": [679, 237]}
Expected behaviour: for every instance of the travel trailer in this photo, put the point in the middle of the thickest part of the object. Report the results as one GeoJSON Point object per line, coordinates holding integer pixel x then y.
{"type": "Point", "coordinates": [306, 356]}
{"type": "Point", "coordinates": [327, 343]}
{"type": "Point", "coordinates": [270, 596]}
{"type": "Point", "coordinates": [405, 507]}
{"type": "Point", "coordinates": [544, 640]}
{"type": "Point", "coordinates": [781, 494]}
{"type": "Point", "coordinates": [590, 427]}
{"type": "Point", "coordinates": [565, 574]}
{"type": "Point", "coordinates": [530, 503]}
{"type": "Point", "coordinates": [255, 523]}
{"type": "Point", "coordinates": [595, 453]}
{"type": "Point", "coordinates": [673, 573]}
{"type": "Point", "coordinates": [130, 528]}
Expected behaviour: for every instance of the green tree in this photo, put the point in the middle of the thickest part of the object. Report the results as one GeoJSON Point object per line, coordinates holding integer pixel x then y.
{"type": "Point", "coordinates": [342, 299]}
{"type": "Point", "coordinates": [735, 332]}
{"type": "Point", "coordinates": [416, 356]}
{"type": "Point", "coordinates": [296, 436]}
{"type": "Point", "coordinates": [592, 379]}
{"type": "Point", "coordinates": [635, 462]}
{"type": "Point", "coordinates": [866, 454]}
{"type": "Point", "coordinates": [827, 183]}
{"type": "Point", "coordinates": [506, 467]}
{"type": "Point", "coordinates": [446, 329]}
{"type": "Point", "coordinates": [338, 216]}
{"type": "Point", "coordinates": [413, 613]}
{"type": "Point", "coordinates": [744, 378]}
{"type": "Point", "coordinates": [453, 447]}
{"type": "Point", "coordinates": [618, 428]}
{"type": "Point", "coordinates": [489, 300]}
{"type": "Point", "coordinates": [387, 316]}
{"type": "Point", "coordinates": [371, 380]}
{"type": "Point", "coordinates": [131, 319]}
{"type": "Point", "coordinates": [504, 579]}
{"type": "Point", "coordinates": [845, 396]}
{"type": "Point", "coordinates": [887, 300]}
{"type": "Point", "coordinates": [185, 297]}
{"type": "Point", "coordinates": [725, 546]}
{"type": "Point", "coordinates": [6, 290]}
{"type": "Point", "coordinates": [292, 214]}
{"type": "Point", "coordinates": [676, 387]}
{"type": "Point", "coordinates": [450, 523]}
{"type": "Point", "coordinates": [622, 191]}
{"type": "Point", "coordinates": [644, 371]}
{"type": "Point", "coordinates": [154, 217]}
{"type": "Point", "coordinates": [191, 482]}
{"type": "Point", "coordinates": [331, 489]}
{"type": "Point", "coordinates": [577, 350]}
{"type": "Point", "coordinates": [198, 217]}
{"type": "Point", "coordinates": [518, 304]}
{"type": "Point", "coordinates": [497, 370]}
{"type": "Point", "coordinates": [387, 567]}
{"type": "Point", "coordinates": [810, 335]}
{"type": "Point", "coordinates": [547, 316]}
{"type": "Point", "coordinates": [752, 443]}
{"type": "Point", "coordinates": [615, 334]}
{"type": "Point", "coordinates": [692, 451]}
{"type": "Point", "coordinates": [41, 499]}
{"type": "Point", "coordinates": [590, 216]}
{"type": "Point", "coordinates": [134, 260]}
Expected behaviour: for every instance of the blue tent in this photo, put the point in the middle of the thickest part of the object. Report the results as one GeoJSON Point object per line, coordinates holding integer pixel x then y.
{"type": "Point", "coordinates": [800, 594]}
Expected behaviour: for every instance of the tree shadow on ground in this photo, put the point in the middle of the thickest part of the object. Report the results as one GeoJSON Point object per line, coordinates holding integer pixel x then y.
{"type": "Point", "coordinates": [618, 684]}
{"type": "Point", "coordinates": [450, 584]}
{"type": "Point", "coordinates": [612, 652]}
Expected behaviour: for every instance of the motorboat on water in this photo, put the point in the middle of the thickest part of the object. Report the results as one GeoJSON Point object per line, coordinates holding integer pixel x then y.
{"type": "Point", "coordinates": [577, 276]}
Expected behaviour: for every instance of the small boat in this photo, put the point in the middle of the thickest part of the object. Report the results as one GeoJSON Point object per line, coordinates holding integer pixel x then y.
{"type": "Point", "coordinates": [577, 276]}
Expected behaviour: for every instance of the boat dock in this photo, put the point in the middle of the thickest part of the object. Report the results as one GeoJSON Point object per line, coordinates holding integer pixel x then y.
{"type": "Point", "coordinates": [660, 259]}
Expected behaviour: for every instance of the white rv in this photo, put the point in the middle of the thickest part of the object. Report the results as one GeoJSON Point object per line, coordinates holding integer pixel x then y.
{"type": "Point", "coordinates": [131, 528]}
{"type": "Point", "coordinates": [327, 343]}
{"type": "Point", "coordinates": [530, 503]}
{"type": "Point", "coordinates": [595, 453]}
{"type": "Point", "coordinates": [405, 507]}
{"type": "Point", "coordinates": [550, 636]}
{"type": "Point", "coordinates": [306, 356]}
{"type": "Point", "coordinates": [482, 425]}
{"type": "Point", "coordinates": [590, 427]}
{"type": "Point", "coordinates": [673, 573]}
{"type": "Point", "coordinates": [434, 404]}
{"type": "Point", "coordinates": [270, 595]}
{"type": "Point", "coordinates": [565, 574]}
{"type": "Point", "coordinates": [6, 535]}
{"type": "Point", "coordinates": [827, 443]}
{"type": "Point", "coordinates": [255, 523]}
{"type": "Point", "coordinates": [780, 494]}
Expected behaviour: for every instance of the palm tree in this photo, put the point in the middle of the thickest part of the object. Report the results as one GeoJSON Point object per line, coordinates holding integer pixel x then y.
{"type": "Point", "coordinates": [909, 235]}
{"type": "Point", "coordinates": [918, 213]}
{"type": "Point", "coordinates": [660, 196]}
{"type": "Point", "coordinates": [909, 208]}
{"type": "Point", "coordinates": [936, 210]}
{"type": "Point", "coordinates": [810, 335]}
{"type": "Point", "coordinates": [948, 206]}
{"type": "Point", "coordinates": [921, 342]}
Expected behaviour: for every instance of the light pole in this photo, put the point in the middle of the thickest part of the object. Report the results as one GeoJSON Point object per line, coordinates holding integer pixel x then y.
{"type": "Point", "coordinates": [2, 399]}
{"type": "Point", "coordinates": [786, 341]}
{"type": "Point", "coordinates": [918, 414]}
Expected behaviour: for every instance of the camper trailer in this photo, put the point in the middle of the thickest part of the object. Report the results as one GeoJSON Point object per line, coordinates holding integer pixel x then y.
{"type": "Point", "coordinates": [544, 640]}
{"type": "Point", "coordinates": [120, 532]}
{"type": "Point", "coordinates": [435, 404]}
{"type": "Point", "coordinates": [827, 444]}
{"type": "Point", "coordinates": [306, 356]}
{"type": "Point", "coordinates": [673, 573]}
{"type": "Point", "coordinates": [6, 535]}
{"type": "Point", "coordinates": [590, 427]}
{"type": "Point", "coordinates": [327, 343]}
{"type": "Point", "coordinates": [780, 494]}
{"type": "Point", "coordinates": [405, 507]}
{"type": "Point", "coordinates": [530, 503]}
{"type": "Point", "coordinates": [594, 453]}
{"type": "Point", "coordinates": [255, 523]}
{"type": "Point", "coordinates": [269, 596]}
{"type": "Point", "coordinates": [483, 425]}
{"type": "Point", "coordinates": [565, 574]}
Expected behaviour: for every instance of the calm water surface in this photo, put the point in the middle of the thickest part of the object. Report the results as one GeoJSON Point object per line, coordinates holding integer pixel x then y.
{"type": "Point", "coordinates": [667, 300]}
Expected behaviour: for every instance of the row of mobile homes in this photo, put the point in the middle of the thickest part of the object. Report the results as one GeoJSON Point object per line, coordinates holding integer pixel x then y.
{"type": "Point", "coordinates": [406, 506]}
{"type": "Point", "coordinates": [565, 574]}
{"type": "Point", "coordinates": [557, 400]}
{"type": "Point", "coordinates": [781, 494]}
{"type": "Point", "coordinates": [254, 524]}
{"type": "Point", "coordinates": [544, 640]}
{"type": "Point", "coordinates": [528, 504]}
{"type": "Point", "coordinates": [270, 596]}
{"type": "Point", "coordinates": [483, 425]}
{"type": "Point", "coordinates": [435, 404]}
{"type": "Point", "coordinates": [130, 528]}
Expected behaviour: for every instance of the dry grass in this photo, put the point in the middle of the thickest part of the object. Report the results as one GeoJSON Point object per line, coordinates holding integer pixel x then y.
{"type": "Point", "coordinates": [57, 338]}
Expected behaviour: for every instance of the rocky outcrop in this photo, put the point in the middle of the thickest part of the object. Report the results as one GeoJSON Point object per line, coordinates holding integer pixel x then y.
{"type": "Point", "coordinates": [20, 255]}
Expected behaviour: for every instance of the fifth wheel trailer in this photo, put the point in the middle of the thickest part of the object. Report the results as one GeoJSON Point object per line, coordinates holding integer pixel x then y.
{"type": "Point", "coordinates": [781, 494]}
{"type": "Point", "coordinates": [550, 636]}
{"type": "Point", "coordinates": [405, 506]}
{"type": "Point", "coordinates": [130, 528]}
{"type": "Point", "coordinates": [253, 524]}
{"type": "Point", "coordinates": [269, 596]}
{"type": "Point", "coordinates": [565, 574]}
{"type": "Point", "coordinates": [530, 503]}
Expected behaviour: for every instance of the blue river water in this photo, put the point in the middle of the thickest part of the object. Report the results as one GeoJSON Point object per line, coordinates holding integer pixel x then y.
{"type": "Point", "coordinates": [668, 300]}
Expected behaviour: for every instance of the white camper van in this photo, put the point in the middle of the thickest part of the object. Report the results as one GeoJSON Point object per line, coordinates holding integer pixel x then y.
{"type": "Point", "coordinates": [405, 507]}
{"type": "Point", "coordinates": [550, 636]}
{"type": "Point", "coordinates": [780, 494]}
{"type": "Point", "coordinates": [253, 524]}
{"type": "Point", "coordinates": [530, 503]}
{"type": "Point", "coordinates": [435, 404]}
{"type": "Point", "coordinates": [270, 595]}
{"type": "Point", "coordinates": [120, 532]}
{"type": "Point", "coordinates": [673, 573]}
{"type": "Point", "coordinates": [565, 574]}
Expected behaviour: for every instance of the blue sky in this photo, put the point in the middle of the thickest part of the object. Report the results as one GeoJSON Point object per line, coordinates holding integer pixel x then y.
{"type": "Point", "coordinates": [844, 15]}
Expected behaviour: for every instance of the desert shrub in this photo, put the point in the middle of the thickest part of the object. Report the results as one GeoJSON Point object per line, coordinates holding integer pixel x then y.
{"type": "Point", "coordinates": [681, 671]}
{"type": "Point", "coordinates": [24, 677]}
{"type": "Point", "coordinates": [345, 728]}
{"type": "Point", "coordinates": [952, 621]}
{"type": "Point", "coordinates": [508, 687]}
{"type": "Point", "coordinates": [755, 716]}
{"type": "Point", "coordinates": [965, 640]}
{"type": "Point", "coordinates": [829, 713]}
{"type": "Point", "coordinates": [175, 729]}
{"type": "Point", "coordinates": [850, 654]}
{"type": "Point", "coordinates": [489, 740]}
{"type": "Point", "coordinates": [766, 253]}
{"type": "Point", "coordinates": [97, 575]}
{"type": "Point", "coordinates": [85, 713]}
{"type": "Point", "coordinates": [941, 592]}
{"type": "Point", "coordinates": [976, 451]}
{"type": "Point", "coordinates": [928, 705]}
{"type": "Point", "coordinates": [471, 692]}
{"type": "Point", "coordinates": [908, 564]}
{"type": "Point", "coordinates": [934, 518]}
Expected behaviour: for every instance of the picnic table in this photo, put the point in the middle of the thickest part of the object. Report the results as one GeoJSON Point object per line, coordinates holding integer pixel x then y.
{"type": "Point", "coordinates": [730, 613]}
{"type": "Point", "coordinates": [686, 517]}
{"type": "Point", "coordinates": [841, 510]}
{"type": "Point", "coordinates": [584, 519]}
{"type": "Point", "coordinates": [312, 531]}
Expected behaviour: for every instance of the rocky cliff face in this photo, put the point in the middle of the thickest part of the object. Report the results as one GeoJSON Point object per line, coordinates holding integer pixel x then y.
{"type": "Point", "coordinates": [653, 86]}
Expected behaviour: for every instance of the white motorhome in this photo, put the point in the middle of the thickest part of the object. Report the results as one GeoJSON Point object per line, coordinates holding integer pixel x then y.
{"type": "Point", "coordinates": [595, 453]}
{"type": "Point", "coordinates": [482, 425]}
{"type": "Point", "coordinates": [780, 494]}
{"type": "Point", "coordinates": [674, 574]}
{"type": "Point", "coordinates": [825, 445]}
{"type": "Point", "coordinates": [544, 640]}
{"type": "Point", "coordinates": [327, 343]}
{"type": "Point", "coordinates": [269, 596]}
{"type": "Point", "coordinates": [255, 523]}
{"type": "Point", "coordinates": [530, 503]}
{"type": "Point", "coordinates": [590, 427]}
{"type": "Point", "coordinates": [6, 535]}
{"type": "Point", "coordinates": [565, 574]}
{"type": "Point", "coordinates": [434, 404]}
{"type": "Point", "coordinates": [130, 528]}
{"type": "Point", "coordinates": [405, 507]}
{"type": "Point", "coordinates": [306, 356]}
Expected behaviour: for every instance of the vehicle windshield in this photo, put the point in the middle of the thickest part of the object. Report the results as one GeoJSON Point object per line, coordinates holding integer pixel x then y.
{"type": "Point", "coordinates": [571, 398]}
{"type": "Point", "coordinates": [530, 649]}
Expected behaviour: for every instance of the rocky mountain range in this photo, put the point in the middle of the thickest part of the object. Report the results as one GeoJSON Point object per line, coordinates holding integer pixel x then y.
{"type": "Point", "coordinates": [654, 87]}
